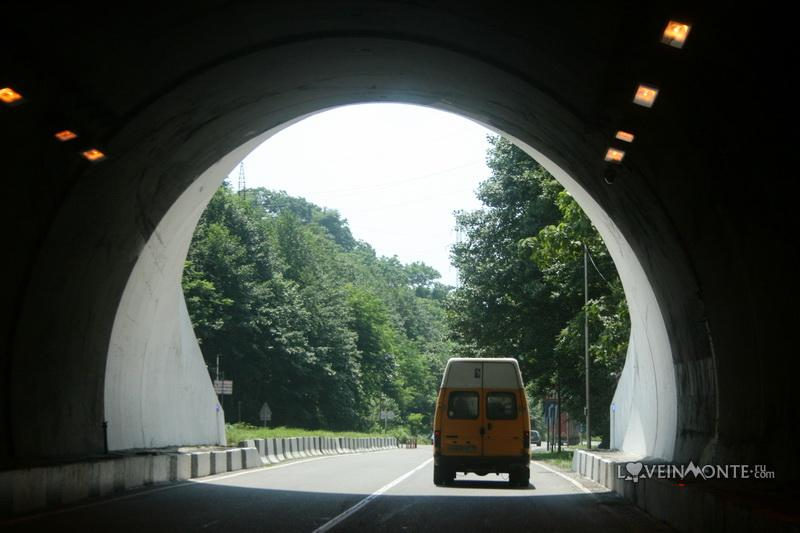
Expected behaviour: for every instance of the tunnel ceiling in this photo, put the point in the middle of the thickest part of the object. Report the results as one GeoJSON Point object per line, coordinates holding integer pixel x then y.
{"type": "Point", "coordinates": [166, 91]}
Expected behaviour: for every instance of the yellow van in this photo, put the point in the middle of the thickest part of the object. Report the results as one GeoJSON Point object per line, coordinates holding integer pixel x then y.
{"type": "Point", "coordinates": [482, 423]}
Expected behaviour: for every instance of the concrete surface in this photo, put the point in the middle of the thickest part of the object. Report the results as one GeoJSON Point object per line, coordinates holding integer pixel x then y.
{"type": "Point", "coordinates": [702, 235]}
{"type": "Point", "coordinates": [305, 496]}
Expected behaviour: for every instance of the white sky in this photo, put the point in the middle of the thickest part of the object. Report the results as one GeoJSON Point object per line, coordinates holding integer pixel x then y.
{"type": "Point", "coordinates": [396, 172]}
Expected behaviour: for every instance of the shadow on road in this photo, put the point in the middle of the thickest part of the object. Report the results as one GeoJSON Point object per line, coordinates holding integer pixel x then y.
{"type": "Point", "coordinates": [211, 507]}
{"type": "Point", "coordinates": [487, 484]}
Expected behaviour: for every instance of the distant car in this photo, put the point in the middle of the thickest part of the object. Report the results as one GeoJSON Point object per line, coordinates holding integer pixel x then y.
{"type": "Point", "coordinates": [536, 438]}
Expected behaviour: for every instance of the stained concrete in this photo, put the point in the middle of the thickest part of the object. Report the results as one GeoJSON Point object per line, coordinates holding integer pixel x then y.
{"type": "Point", "coordinates": [697, 217]}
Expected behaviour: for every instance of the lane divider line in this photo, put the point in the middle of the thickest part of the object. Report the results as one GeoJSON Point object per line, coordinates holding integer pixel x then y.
{"type": "Point", "coordinates": [556, 472]}
{"type": "Point", "coordinates": [327, 526]}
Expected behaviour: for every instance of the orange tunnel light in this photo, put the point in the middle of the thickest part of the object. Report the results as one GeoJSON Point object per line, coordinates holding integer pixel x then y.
{"type": "Point", "coordinates": [66, 135]}
{"type": "Point", "coordinates": [645, 95]}
{"type": "Point", "coordinates": [9, 95]}
{"type": "Point", "coordinates": [93, 155]}
{"type": "Point", "coordinates": [614, 156]}
{"type": "Point", "coordinates": [624, 136]}
{"type": "Point", "coordinates": [675, 34]}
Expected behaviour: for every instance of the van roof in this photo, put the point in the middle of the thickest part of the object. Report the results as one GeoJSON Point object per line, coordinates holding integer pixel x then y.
{"type": "Point", "coordinates": [475, 372]}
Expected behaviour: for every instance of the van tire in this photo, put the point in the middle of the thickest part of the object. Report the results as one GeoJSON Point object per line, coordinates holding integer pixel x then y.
{"type": "Point", "coordinates": [520, 477]}
{"type": "Point", "coordinates": [437, 475]}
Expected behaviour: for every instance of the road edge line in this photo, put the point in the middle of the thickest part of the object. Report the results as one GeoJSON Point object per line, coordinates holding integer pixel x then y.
{"type": "Point", "coordinates": [556, 472]}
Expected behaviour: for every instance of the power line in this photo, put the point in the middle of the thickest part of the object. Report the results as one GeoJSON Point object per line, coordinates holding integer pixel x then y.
{"type": "Point", "coordinates": [595, 265]}
{"type": "Point", "coordinates": [397, 182]}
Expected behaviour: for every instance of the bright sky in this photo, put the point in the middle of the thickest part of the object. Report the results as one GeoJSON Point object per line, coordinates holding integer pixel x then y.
{"type": "Point", "coordinates": [395, 172]}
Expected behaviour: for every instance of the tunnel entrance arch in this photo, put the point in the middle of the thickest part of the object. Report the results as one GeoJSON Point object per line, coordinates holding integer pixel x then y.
{"type": "Point", "coordinates": [196, 100]}
{"type": "Point", "coordinates": [157, 391]}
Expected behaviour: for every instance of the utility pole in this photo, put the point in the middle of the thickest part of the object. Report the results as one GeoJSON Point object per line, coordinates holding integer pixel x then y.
{"type": "Point", "coordinates": [586, 340]}
{"type": "Point", "coordinates": [558, 411]}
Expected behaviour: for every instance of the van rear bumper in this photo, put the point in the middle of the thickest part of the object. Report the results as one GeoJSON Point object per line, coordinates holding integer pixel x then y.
{"type": "Point", "coordinates": [479, 463]}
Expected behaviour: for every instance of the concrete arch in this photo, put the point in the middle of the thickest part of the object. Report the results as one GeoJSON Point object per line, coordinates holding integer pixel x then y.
{"type": "Point", "coordinates": [169, 100]}
{"type": "Point", "coordinates": [152, 339]}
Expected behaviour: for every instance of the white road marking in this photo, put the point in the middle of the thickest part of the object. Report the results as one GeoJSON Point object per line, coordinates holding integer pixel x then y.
{"type": "Point", "coordinates": [327, 526]}
{"type": "Point", "coordinates": [141, 491]}
{"type": "Point", "coordinates": [556, 472]}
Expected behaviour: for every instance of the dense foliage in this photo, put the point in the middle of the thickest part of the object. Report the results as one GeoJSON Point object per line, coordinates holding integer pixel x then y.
{"type": "Point", "coordinates": [521, 267]}
{"type": "Point", "coordinates": [312, 321]}
{"type": "Point", "coordinates": [309, 319]}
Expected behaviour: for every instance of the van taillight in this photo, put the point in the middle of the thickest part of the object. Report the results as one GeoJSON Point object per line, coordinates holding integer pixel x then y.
{"type": "Point", "coordinates": [526, 439]}
{"type": "Point", "coordinates": [437, 439]}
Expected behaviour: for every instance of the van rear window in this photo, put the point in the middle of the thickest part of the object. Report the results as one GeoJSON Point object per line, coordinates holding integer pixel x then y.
{"type": "Point", "coordinates": [463, 405]}
{"type": "Point", "coordinates": [501, 406]}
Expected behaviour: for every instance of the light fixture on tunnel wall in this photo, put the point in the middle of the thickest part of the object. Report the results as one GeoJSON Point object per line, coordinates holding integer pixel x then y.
{"type": "Point", "coordinates": [615, 156]}
{"type": "Point", "coordinates": [94, 155]}
{"type": "Point", "coordinates": [65, 135]}
{"type": "Point", "coordinates": [645, 95]}
{"type": "Point", "coordinates": [9, 96]}
{"type": "Point", "coordinates": [624, 136]}
{"type": "Point", "coordinates": [675, 34]}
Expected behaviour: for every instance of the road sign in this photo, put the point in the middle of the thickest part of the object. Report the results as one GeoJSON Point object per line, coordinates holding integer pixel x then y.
{"type": "Point", "coordinates": [266, 413]}
{"type": "Point", "coordinates": [387, 415]}
{"type": "Point", "coordinates": [223, 386]}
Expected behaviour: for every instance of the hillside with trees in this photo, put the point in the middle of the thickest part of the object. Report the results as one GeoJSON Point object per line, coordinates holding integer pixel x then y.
{"type": "Point", "coordinates": [311, 320]}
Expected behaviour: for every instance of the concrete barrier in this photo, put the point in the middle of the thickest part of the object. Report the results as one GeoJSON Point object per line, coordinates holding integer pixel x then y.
{"type": "Point", "coordinates": [234, 460]}
{"type": "Point", "coordinates": [685, 508]}
{"type": "Point", "coordinates": [101, 480]}
{"type": "Point", "coordinates": [312, 445]}
{"type": "Point", "coordinates": [250, 458]}
{"type": "Point", "coordinates": [201, 464]}
{"type": "Point", "coordinates": [136, 471]}
{"type": "Point", "coordinates": [249, 443]}
{"type": "Point", "coordinates": [26, 490]}
{"type": "Point", "coordinates": [261, 446]}
{"type": "Point", "coordinates": [180, 466]}
{"type": "Point", "coordinates": [280, 449]}
{"type": "Point", "coordinates": [271, 455]}
{"type": "Point", "coordinates": [160, 471]}
{"type": "Point", "coordinates": [219, 462]}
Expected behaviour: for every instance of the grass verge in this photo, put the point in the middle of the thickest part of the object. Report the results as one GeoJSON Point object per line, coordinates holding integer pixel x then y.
{"type": "Point", "coordinates": [240, 431]}
{"type": "Point", "coordinates": [562, 459]}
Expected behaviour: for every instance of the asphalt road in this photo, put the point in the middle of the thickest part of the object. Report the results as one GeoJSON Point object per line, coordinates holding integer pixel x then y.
{"type": "Point", "coordinates": [378, 491]}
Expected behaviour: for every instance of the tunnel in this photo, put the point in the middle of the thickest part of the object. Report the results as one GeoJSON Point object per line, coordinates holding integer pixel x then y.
{"type": "Point", "coordinates": [695, 215]}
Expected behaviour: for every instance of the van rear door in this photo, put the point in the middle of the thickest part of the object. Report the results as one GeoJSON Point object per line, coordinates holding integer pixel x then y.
{"type": "Point", "coordinates": [504, 411]}
{"type": "Point", "coordinates": [463, 414]}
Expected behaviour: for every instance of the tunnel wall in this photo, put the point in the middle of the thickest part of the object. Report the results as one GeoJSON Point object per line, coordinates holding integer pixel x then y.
{"type": "Point", "coordinates": [700, 196]}
{"type": "Point", "coordinates": [158, 391]}
{"type": "Point", "coordinates": [644, 420]}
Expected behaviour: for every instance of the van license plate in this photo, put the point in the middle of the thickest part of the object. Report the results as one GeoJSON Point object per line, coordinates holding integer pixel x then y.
{"type": "Point", "coordinates": [462, 447]}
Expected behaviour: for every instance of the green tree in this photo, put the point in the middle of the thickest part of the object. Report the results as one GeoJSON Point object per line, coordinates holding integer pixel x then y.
{"type": "Point", "coordinates": [521, 266]}
{"type": "Point", "coordinates": [309, 319]}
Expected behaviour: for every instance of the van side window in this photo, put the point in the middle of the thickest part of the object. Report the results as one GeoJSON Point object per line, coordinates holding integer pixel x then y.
{"type": "Point", "coordinates": [463, 404]}
{"type": "Point", "coordinates": [501, 406]}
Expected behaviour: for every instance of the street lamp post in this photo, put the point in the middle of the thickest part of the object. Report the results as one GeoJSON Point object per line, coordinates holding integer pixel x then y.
{"type": "Point", "coordinates": [586, 340]}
